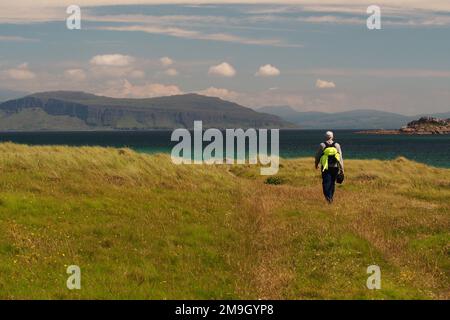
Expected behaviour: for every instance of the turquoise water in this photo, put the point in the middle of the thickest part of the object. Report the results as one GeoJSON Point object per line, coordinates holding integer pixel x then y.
{"type": "Point", "coordinates": [433, 150]}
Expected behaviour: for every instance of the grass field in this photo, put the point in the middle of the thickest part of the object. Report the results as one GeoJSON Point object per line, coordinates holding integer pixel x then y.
{"type": "Point", "coordinates": [140, 227]}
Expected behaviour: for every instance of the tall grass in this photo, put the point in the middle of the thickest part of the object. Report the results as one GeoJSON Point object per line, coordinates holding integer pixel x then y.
{"type": "Point", "coordinates": [140, 227]}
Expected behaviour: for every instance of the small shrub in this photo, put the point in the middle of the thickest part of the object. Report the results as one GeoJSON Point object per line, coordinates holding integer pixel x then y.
{"type": "Point", "coordinates": [274, 180]}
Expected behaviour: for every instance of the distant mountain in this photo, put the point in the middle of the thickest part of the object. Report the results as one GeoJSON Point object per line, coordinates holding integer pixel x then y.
{"type": "Point", "coordinates": [356, 119]}
{"type": "Point", "coordinates": [445, 115]}
{"type": "Point", "coordinates": [422, 126]}
{"type": "Point", "coordinates": [69, 110]}
{"type": "Point", "coordinates": [6, 94]}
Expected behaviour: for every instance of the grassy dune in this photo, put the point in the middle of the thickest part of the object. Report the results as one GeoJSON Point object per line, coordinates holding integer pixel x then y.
{"type": "Point", "coordinates": [141, 227]}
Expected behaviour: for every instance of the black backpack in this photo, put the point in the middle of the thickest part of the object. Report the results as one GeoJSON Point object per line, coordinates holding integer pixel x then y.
{"type": "Point", "coordinates": [331, 159]}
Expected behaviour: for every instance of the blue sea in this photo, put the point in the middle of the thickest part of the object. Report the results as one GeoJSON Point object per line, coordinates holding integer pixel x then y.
{"type": "Point", "coordinates": [431, 149]}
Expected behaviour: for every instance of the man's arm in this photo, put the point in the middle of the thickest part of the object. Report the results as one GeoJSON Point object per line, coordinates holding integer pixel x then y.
{"type": "Point", "coordinates": [338, 147]}
{"type": "Point", "coordinates": [319, 154]}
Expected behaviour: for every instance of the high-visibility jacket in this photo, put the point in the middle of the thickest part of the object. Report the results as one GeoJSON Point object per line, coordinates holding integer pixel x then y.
{"type": "Point", "coordinates": [329, 151]}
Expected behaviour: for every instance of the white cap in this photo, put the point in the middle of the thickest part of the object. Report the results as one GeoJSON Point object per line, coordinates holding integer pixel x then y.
{"type": "Point", "coordinates": [329, 135]}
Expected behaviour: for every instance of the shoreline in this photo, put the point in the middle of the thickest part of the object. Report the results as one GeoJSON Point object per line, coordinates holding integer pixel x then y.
{"type": "Point", "coordinates": [285, 157]}
{"type": "Point", "coordinates": [404, 133]}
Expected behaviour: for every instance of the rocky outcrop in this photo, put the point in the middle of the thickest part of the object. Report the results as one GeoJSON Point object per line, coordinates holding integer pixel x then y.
{"type": "Point", "coordinates": [427, 125]}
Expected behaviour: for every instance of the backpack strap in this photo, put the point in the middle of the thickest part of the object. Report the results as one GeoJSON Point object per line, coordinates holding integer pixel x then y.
{"type": "Point", "coordinates": [329, 145]}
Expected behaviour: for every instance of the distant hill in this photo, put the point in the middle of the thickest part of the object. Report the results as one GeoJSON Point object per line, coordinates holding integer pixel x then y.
{"type": "Point", "coordinates": [445, 115]}
{"type": "Point", "coordinates": [422, 126]}
{"type": "Point", "coordinates": [69, 110]}
{"type": "Point", "coordinates": [356, 119]}
{"type": "Point", "coordinates": [10, 94]}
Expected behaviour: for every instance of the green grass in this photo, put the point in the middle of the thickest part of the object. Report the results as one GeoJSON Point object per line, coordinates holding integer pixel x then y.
{"type": "Point", "coordinates": [142, 228]}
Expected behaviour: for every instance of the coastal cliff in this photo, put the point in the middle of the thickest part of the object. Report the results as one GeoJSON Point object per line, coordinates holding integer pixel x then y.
{"type": "Point", "coordinates": [70, 110]}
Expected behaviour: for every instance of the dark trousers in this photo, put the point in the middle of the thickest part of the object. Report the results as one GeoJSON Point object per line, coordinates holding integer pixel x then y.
{"type": "Point", "coordinates": [329, 182]}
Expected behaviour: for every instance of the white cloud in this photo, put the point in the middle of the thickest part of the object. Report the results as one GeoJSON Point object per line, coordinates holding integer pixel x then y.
{"type": "Point", "coordinates": [220, 93]}
{"type": "Point", "coordinates": [31, 11]}
{"type": "Point", "coordinates": [196, 35]}
{"type": "Point", "coordinates": [323, 84]}
{"type": "Point", "coordinates": [137, 74]}
{"type": "Point", "coordinates": [17, 39]}
{"type": "Point", "coordinates": [257, 99]}
{"type": "Point", "coordinates": [148, 90]}
{"type": "Point", "coordinates": [430, 4]}
{"type": "Point", "coordinates": [268, 70]}
{"type": "Point", "coordinates": [113, 60]}
{"type": "Point", "coordinates": [75, 74]}
{"type": "Point", "coordinates": [332, 19]}
{"type": "Point", "coordinates": [114, 66]}
{"type": "Point", "coordinates": [224, 70]}
{"type": "Point", "coordinates": [22, 72]}
{"type": "Point", "coordinates": [172, 72]}
{"type": "Point", "coordinates": [105, 72]}
{"type": "Point", "coordinates": [166, 61]}
{"type": "Point", "coordinates": [381, 73]}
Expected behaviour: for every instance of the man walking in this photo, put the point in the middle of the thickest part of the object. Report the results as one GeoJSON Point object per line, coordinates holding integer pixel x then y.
{"type": "Point", "coordinates": [330, 158]}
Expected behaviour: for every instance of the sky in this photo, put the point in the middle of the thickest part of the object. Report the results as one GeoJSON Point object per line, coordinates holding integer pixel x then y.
{"type": "Point", "coordinates": [310, 55]}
